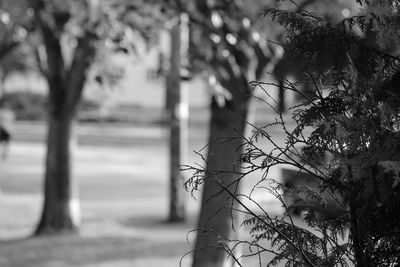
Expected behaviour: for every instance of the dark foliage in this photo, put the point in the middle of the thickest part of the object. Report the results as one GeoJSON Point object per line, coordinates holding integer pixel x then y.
{"type": "Point", "coordinates": [347, 136]}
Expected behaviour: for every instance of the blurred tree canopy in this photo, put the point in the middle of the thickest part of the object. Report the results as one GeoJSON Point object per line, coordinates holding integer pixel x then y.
{"type": "Point", "coordinates": [15, 23]}
{"type": "Point", "coordinates": [15, 27]}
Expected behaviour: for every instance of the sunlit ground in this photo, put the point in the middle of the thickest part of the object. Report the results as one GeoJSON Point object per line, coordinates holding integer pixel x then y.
{"type": "Point", "coordinates": [122, 175]}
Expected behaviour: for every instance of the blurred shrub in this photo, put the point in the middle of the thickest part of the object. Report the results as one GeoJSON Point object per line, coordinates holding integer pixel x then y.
{"type": "Point", "coordinates": [26, 105]}
{"type": "Point", "coordinates": [33, 106]}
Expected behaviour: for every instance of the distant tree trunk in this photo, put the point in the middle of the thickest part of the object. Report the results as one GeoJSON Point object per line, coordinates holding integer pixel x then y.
{"type": "Point", "coordinates": [178, 123]}
{"type": "Point", "coordinates": [60, 212]}
{"type": "Point", "coordinates": [61, 207]}
{"type": "Point", "coordinates": [218, 213]}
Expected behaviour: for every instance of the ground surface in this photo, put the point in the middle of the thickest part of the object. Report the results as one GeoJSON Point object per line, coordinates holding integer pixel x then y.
{"type": "Point", "coordinates": [122, 176]}
{"type": "Point", "coordinates": [123, 197]}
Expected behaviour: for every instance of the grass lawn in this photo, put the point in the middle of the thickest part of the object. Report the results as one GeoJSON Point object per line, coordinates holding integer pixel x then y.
{"type": "Point", "coordinates": [123, 193]}
{"type": "Point", "coordinates": [124, 206]}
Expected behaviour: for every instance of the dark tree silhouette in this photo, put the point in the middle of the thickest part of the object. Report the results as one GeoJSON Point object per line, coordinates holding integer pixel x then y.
{"type": "Point", "coordinates": [87, 25]}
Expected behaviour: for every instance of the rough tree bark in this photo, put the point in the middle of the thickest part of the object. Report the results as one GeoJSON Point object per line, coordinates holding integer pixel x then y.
{"type": "Point", "coordinates": [218, 214]}
{"type": "Point", "coordinates": [228, 124]}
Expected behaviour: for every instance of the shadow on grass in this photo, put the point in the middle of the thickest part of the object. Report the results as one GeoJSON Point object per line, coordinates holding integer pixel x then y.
{"type": "Point", "coordinates": [156, 221]}
{"type": "Point", "coordinates": [76, 250]}
{"type": "Point", "coordinates": [14, 240]}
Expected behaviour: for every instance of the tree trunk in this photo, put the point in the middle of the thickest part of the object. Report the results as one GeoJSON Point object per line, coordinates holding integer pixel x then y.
{"type": "Point", "coordinates": [61, 206]}
{"type": "Point", "coordinates": [218, 216]}
{"type": "Point", "coordinates": [177, 110]}
{"type": "Point", "coordinates": [177, 155]}
{"type": "Point", "coordinates": [66, 82]}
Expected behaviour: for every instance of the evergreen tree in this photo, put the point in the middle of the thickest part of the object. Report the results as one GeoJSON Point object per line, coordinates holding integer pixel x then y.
{"type": "Point", "coordinates": [347, 138]}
